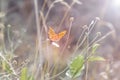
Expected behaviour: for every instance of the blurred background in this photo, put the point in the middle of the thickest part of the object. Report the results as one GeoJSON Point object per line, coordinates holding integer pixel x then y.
{"type": "Point", "coordinates": [20, 14]}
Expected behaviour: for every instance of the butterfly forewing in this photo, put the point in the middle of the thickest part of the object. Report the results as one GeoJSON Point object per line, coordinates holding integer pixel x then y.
{"type": "Point", "coordinates": [51, 31]}
{"type": "Point", "coordinates": [61, 34]}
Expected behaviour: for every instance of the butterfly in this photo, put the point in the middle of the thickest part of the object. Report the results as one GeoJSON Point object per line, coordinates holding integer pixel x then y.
{"type": "Point", "coordinates": [54, 36]}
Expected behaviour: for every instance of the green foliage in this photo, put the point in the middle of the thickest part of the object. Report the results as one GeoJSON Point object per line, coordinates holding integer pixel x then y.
{"type": "Point", "coordinates": [96, 58]}
{"type": "Point", "coordinates": [77, 64]}
{"type": "Point", "coordinates": [24, 75]}
{"type": "Point", "coordinates": [6, 67]}
{"type": "Point", "coordinates": [76, 67]}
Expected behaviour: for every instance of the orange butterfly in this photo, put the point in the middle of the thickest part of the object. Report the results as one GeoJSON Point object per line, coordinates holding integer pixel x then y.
{"type": "Point", "coordinates": [55, 37]}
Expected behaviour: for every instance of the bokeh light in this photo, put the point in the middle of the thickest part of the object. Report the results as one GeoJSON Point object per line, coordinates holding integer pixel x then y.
{"type": "Point", "coordinates": [116, 3]}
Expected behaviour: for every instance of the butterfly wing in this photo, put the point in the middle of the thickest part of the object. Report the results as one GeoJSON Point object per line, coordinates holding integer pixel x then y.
{"type": "Point", "coordinates": [61, 34]}
{"type": "Point", "coordinates": [51, 32]}
{"type": "Point", "coordinates": [52, 35]}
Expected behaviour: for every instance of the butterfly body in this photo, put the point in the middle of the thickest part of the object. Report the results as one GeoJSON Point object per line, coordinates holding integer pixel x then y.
{"type": "Point", "coordinates": [54, 36]}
